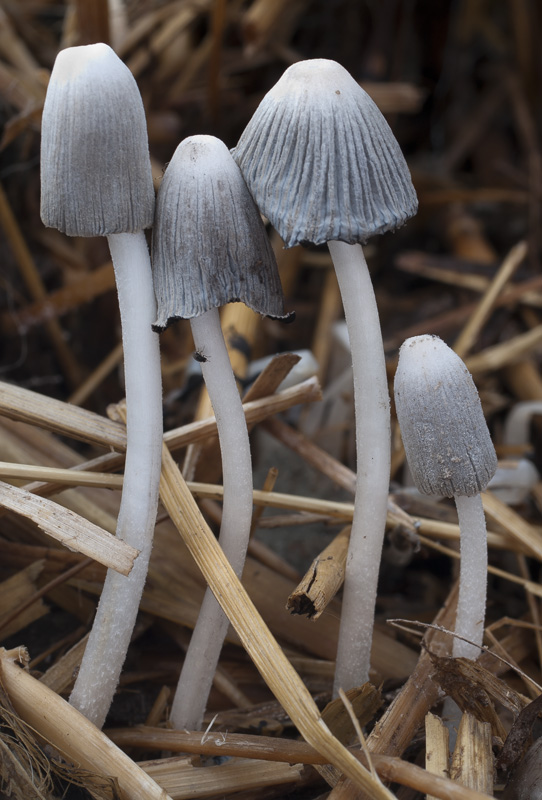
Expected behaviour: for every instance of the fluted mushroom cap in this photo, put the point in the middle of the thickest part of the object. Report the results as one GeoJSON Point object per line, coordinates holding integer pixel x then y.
{"type": "Point", "coordinates": [447, 442]}
{"type": "Point", "coordinates": [322, 162]}
{"type": "Point", "coordinates": [209, 243]}
{"type": "Point", "coordinates": [95, 167]}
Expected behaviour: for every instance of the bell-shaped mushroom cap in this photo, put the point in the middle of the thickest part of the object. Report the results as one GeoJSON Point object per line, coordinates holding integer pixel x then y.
{"type": "Point", "coordinates": [95, 167]}
{"type": "Point", "coordinates": [321, 161]}
{"type": "Point", "coordinates": [447, 442]}
{"type": "Point", "coordinates": [209, 243]}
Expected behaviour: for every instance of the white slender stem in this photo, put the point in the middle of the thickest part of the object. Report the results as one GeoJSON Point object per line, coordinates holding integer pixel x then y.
{"type": "Point", "coordinates": [471, 603]}
{"type": "Point", "coordinates": [206, 642]}
{"type": "Point", "coordinates": [373, 448]}
{"type": "Point", "coordinates": [117, 610]}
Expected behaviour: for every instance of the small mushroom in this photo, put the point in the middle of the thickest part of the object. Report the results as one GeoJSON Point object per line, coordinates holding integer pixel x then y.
{"type": "Point", "coordinates": [450, 453]}
{"type": "Point", "coordinates": [96, 181]}
{"type": "Point", "coordinates": [210, 248]}
{"type": "Point", "coordinates": [324, 166]}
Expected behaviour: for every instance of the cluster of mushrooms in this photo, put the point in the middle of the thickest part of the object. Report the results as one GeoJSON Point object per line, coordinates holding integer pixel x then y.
{"type": "Point", "coordinates": [319, 161]}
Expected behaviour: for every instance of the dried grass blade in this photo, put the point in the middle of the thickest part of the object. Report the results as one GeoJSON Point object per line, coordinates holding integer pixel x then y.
{"type": "Point", "coordinates": [468, 335]}
{"type": "Point", "coordinates": [70, 529]}
{"type": "Point", "coordinates": [268, 657]}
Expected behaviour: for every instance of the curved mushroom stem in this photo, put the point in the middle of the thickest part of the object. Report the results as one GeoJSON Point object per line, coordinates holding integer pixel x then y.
{"type": "Point", "coordinates": [117, 610]}
{"type": "Point", "coordinates": [206, 642]}
{"type": "Point", "coordinates": [373, 447]}
{"type": "Point", "coordinates": [471, 603]}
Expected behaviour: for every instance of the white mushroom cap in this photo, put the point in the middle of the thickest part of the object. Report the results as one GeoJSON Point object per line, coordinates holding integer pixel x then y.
{"type": "Point", "coordinates": [209, 245]}
{"type": "Point", "coordinates": [446, 439]}
{"type": "Point", "coordinates": [321, 161]}
{"type": "Point", "coordinates": [95, 168]}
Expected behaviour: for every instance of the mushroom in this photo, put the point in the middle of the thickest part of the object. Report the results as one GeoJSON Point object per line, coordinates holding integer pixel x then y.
{"type": "Point", "coordinates": [210, 248]}
{"type": "Point", "coordinates": [324, 166]}
{"type": "Point", "coordinates": [96, 181]}
{"type": "Point", "coordinates": [450, 453]}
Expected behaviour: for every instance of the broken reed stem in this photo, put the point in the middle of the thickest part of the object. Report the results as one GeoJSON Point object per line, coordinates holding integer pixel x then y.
{"type": "Point", "coordinates": [69, 732]}
{"type": "Point", "coordinates": [322, 580]}
{"type": "Point", "coordinates": [472, 759]}
{"type": "Point", "coordinates": [437, 747]}
{"type": "Point", "coordinates": [72, 530]}
{"type": "Point", "coordinates": [268, 657]}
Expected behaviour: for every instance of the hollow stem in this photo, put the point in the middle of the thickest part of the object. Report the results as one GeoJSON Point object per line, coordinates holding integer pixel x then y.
{"type": "Point", "coordinates": [206, 642]}
{"type": "Point", "coordinates": [117, 610]}
{"type": "Point", "coordinates": [373, 447]}
{"type": "Point", "coordinates": [471, 604]}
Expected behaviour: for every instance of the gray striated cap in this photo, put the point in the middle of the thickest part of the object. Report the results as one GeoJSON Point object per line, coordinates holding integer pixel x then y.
{"type": "Point", "coordinates": [447, 442]}
{"type": "Point", "coordinates": [322, 162]}
{"type": "Point", "coordinates": [95, 167]}
{"type": "Point", "coordinates": [209, 243]}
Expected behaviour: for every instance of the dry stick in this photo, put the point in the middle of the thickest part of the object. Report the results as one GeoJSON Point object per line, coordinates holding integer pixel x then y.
{"type": "Point", "coordinates": [26, 406]}
{"type": "Point", "coordinates": [51, 415]}
{"type": "Point", "coordinates": [468, 335]}
{"type": "Point", "coordinates": [36, 288]}
{"type": "Point", "coordinates": [394, 731]}
{"type": "Point", "coordinates": [69, 732]}
{"type": "Point", "coordinates": [323, 579]}
{"type": "Point", "coordinates": [268, 657]}
{"type": "Point", "coordinates": [70, 529]}
{"type": "Point", "coordinates": [92, 22]}
{"type": "Point", "coordinates": [441, 323]}
{"type": "Point", "coordinates": [215, 743]}
{"type": "Point", "coordinates": [529, 586]}
{"type": "Point", "coordinates": [36, 409]}
{"type": "Point", "coordinates": [500, 355]}
{"type": "Point", "coordinates": [65, 477]}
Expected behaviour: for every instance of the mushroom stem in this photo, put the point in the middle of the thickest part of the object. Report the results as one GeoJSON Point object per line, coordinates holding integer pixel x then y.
{"type": "Point", "coordinates": [471, 604]}
{"type": "Point", "coordinates": [372, 413]}
{"type": "Point", "coordinates": [206, 642]}
{"type": "Point", "coordinates": [117, 610]}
